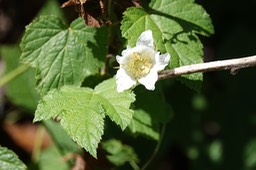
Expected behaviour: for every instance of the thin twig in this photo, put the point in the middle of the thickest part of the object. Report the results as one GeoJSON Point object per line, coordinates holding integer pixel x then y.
{"type": "Point", "coordinates": [232, 64]}
{"type": "Point", "coordinates": [156, 148]}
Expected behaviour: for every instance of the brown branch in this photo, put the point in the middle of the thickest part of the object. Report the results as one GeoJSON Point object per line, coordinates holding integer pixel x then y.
{"type": "Point", "coordinates": [232, 64]}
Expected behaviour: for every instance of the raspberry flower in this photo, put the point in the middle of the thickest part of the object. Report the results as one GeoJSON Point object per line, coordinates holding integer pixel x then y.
{"type": "Point", "coordinates": [140, 64]}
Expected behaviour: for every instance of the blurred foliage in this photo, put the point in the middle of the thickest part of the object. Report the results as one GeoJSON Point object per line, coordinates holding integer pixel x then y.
{"type": "Point", "coordinates": [20, 91]}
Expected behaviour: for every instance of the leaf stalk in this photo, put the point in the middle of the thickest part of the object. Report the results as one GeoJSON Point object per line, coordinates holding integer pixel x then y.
{"type": "Point", "coordinates": [13, 74]}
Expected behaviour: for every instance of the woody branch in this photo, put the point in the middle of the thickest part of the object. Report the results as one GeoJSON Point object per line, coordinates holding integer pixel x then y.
{"type": "Point", "coordinates": [232, 64]}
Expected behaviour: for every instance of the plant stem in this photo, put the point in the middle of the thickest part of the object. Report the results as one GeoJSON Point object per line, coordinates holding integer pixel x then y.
{"type": "Point", "coordinates": [134, 165]}
{"type": "Point", "coordinates": [232, 64]}
{"type": "Point", "coordinates": [156, 148]}
{"type": "Point", "coordinates": [13, 74]}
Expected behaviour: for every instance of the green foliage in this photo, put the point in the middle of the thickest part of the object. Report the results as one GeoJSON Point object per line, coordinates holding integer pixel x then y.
{"type": "Point", "coordinates": [67, 57]}
{"type": "Point", "coordinates": [62, 55]}
{"type": "Point", "coordinates": [21, 90]}
{"type": "Point", "coordinates": [52, 159]}
{"type": "Point", "coordinates": [174, 24]}
{"type": "Point", "coordinates": [119, 153]}
{"type": "Point", "coordinates": [9, 160]}
{"type": "Point", "coordinates": [64, 143]}
{"type": "Point", "coordinates": [249, 154]}
{"type": "Point", "coordinates": [147, 116]}
{"type": "Point", "coordinates": [82, 111]}
{"type": "Point", "coordinates": [117, 105]}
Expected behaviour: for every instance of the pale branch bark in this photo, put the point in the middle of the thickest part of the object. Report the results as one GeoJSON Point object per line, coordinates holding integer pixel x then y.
{"type": "Point", "coordinates": [232, 64]}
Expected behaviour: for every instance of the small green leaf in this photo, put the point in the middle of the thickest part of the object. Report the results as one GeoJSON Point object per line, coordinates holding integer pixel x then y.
{"type": "Point", "coordinates": [119, 153]}
{"type": "Point", "coordinates": [80, 112]}
{"type": "Point", "coordinates": [117, 104]}
{"type": "Point", "coordinates": [174, 24]}
{"type": "Point", "coordinates": [62, 55]}
{"type": "Point", "coordinates": [9, 160]}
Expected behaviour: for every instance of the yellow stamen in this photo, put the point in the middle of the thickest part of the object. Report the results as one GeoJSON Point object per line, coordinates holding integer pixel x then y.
{"type": "Point", "coordinates": [138, 65]}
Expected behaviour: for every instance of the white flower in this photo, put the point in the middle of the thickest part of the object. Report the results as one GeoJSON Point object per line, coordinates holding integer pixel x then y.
{"type": "Point", "coordinates": [140, 64]}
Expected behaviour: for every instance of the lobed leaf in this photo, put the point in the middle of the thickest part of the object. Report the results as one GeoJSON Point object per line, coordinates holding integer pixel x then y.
{"type": "Point", "coordinates": [62, 55]}
{"type": "Point", "coordinates": [82, 111]}
{"type": "Point", "coordinates": [117, 105]}
{"type": "Point", "coordinates": [174, 24]}
{"type": "Point", "coordinates": [9, 160]}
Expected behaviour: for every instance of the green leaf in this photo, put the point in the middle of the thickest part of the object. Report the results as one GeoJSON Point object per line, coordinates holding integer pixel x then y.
{"type": "Point", "coordinates": [190, 16]}
{"type": "Point", "coordinates": [142, 123]}
{"type": "Point", "coordinates": [9, 160]}
{"type": "Point", "coordinates": [147, 116]}
{"type": "Point", "coordinates": [52, 7]}
{"type": "Point", "coordinates": [65, 144]}
{"type": "Point", "coordinates": [116, 104]}
{"type": "Point", "coordinates": [119, 153]}
{"type": "Point", "coordinates": [21, 90]}
{"type": "Point", "coordinates": [62, 55]}
{"type": "Point", "coordinates": [174, 24]}
{"type": "Point", "coordinates": [82, 111]}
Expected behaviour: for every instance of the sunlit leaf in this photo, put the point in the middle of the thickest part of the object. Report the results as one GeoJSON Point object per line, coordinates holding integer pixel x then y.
{"type": "Point", "coordinates": [63, 55]}
{"type": "Point", "coordinates": [9, 160]}
{"type": "Point", "coordinates": [82, 110]}
{"type": "Point", "coordinates": [174, 24]}
{"type": "Point", "coordinates": [117, 106]}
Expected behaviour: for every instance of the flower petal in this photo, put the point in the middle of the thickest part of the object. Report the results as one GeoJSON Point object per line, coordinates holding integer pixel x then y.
{"type": "Point", "coordinates": [123, 81]}
{"type": "Point", "coordinates": [119, 59]}
{"type": "Point", "coordinates": [146, 39]}
{"type": "Point", "coordinates": [149, 80]}
{"type": "Point", "coordinates": [162, 61]}
{"type": "Point", "coordinates": [128, 48]}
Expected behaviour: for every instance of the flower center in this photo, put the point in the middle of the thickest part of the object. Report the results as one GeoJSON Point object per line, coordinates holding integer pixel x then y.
{"type": "Point", "coordinates": [139, 65]}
